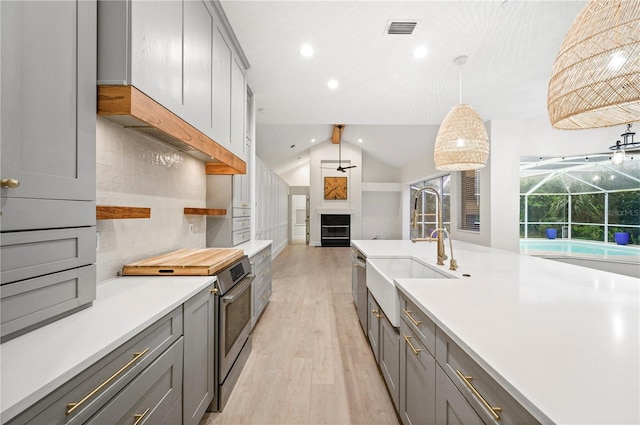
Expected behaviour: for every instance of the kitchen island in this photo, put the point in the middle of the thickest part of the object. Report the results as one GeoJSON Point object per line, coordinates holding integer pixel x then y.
{"type": "Point", "coordinates": [562, 340]}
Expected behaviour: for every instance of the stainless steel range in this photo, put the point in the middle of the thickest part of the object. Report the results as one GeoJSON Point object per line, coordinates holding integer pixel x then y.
{"type": "Point", "coordinates": [233, 305]}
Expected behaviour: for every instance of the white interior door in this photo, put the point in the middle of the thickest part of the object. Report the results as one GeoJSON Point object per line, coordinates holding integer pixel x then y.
{"type": "Point", "coordinates": [298, 217]}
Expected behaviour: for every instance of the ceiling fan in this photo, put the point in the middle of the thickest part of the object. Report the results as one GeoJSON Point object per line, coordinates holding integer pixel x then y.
{"type": "Point", "coordinates": [335, 139]}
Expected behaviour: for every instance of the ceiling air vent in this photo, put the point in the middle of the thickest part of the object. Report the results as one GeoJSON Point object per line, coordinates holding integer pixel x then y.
{"type": "Point", "coordinates": [404, 27]}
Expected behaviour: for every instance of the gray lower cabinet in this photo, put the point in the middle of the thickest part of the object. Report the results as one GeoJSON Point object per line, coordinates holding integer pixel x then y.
{"type": "Point", "coordinates": [150, 396]}
{"type": "Point", "coordinates": [385, 343]}
{"type": "Point", "coordinates": [373, 325]}
{"type": "Point", "coordinates": [48, 133]}
{"type": "Point", "coordinates": [417, 380]}
{"type": "Point", "coordinates": [83, 396]}
{"type": "Point", "coordinates": [261, 263]}
{"type": "Point", "coordinates": [491, 402]}
{"type": "Point", "coordinates": [30, 303]}
{"type": "Point", "coordinates": [440, 383]}
{"type": "Point", "coordinates": [199, 371]}
{"type": "Point", "coordinates": [451, 406]}
{"type": "Point", "coordinates": [390, 358]}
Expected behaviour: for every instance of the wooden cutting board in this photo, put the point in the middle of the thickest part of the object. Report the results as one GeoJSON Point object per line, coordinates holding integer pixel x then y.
{"type": "Point", "coordinates": [185, 262]}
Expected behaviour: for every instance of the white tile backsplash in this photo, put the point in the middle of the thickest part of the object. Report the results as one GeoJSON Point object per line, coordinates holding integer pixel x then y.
{"type": "Point", "coordinates": [136, 170]}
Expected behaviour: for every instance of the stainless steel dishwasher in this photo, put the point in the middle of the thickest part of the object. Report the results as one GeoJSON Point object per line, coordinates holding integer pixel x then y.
{"type": "Point", "coordinates": [359, 286]}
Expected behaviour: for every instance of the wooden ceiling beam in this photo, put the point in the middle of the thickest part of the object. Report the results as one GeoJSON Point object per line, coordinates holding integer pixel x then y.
{"type": "Point", "coordinates": [337, 133]}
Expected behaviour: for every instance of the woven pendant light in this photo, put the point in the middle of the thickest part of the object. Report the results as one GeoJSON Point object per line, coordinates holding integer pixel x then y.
{"type": "Point", "coordinates": [462, 142]}
{"type": "Point", "coordinates": [596, 75]}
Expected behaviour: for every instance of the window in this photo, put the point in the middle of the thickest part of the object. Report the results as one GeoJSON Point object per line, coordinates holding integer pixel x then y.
{"type": "Point", "coordinates": [427, 205]}
{"type": "Point", "coordinates": [470, 200]}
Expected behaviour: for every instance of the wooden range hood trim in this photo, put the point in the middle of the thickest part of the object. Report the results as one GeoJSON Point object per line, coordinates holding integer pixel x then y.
{"type": "Point", "coordinates": [130, 107]}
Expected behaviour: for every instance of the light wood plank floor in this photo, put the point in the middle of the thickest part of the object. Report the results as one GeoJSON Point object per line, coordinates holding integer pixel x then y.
{"type": "Point", "coordinates": [310, 362]}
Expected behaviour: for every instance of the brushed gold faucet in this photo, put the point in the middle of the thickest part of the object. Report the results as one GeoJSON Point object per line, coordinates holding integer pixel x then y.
{"type": "Point", "coordinates": [453, 264]}
{"type": "Point", "coordinates": [439, 224]}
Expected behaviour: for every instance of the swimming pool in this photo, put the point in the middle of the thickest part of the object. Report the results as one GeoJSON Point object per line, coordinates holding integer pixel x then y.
{"type": "Point", "coordinates": [569, 246]}
{"type": "Point", "coordinates": [622, 259]}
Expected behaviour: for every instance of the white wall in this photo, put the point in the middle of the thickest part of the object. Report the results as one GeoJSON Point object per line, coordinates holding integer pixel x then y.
{"type": "Point", "coordinates": [382, 215]}
{"type": "Point", "coordinates": [139, 171]}
{"type": "Point", "coordinates": [299, 176]}
{"type": "Point", "coordinates": [376, 171]}
{"type": "Point", "coordinates": [319, 156]}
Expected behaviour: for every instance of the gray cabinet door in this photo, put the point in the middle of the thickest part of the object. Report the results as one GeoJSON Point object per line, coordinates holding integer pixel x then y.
{"type": "Point", "coordinates": [221, 90]}
{"type": "Point", "coordinates": [238, 109]}
{"type": "Point", "coordinates": [48, 100]}
{"type": "Point", "coordinates": [390, 358]}
{"type": "Point", "coordinates": [451, 406]}
{"type": "Point", "coordinates": [150, 396]}
{"type": "Point", "coordinates": [199, 372]}
{"type": "Point", "coordinates": [156, 50]}
{"type": "Point", "coordinates": [198, 34]}
{"type": "Point", "coordinates": [417, 380]}
{"type": "Point", "coordinates": [373, 326]}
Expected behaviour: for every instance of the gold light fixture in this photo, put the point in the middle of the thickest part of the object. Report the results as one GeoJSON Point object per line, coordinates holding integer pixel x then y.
{"type": "Point", "coordinates": [462, 142]}
{"type": "Point", "coordinates": [596, 75]}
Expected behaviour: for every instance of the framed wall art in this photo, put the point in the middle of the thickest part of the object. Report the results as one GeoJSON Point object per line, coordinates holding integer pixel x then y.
{"type": "Point", "coordinates": [335, 188]}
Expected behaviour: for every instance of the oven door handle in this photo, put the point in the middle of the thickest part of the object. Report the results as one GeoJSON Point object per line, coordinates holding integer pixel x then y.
{"type": "Point", "coordinates": [239, 289]}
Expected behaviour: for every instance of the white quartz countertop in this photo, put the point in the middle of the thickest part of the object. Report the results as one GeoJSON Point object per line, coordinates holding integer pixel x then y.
{"type": "Point", "coordinates": [252, 247]}
{"type": "Point", "coordinates": [563, 340]}
{"type": "Point", "coordinates": [38, 362]}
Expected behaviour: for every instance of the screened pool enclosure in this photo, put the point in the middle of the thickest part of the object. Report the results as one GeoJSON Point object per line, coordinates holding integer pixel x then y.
{"type": "Point", "coordinates": [586, 197]}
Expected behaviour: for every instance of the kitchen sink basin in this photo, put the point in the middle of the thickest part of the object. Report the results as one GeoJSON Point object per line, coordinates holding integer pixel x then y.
{"type": "Point", "coordinates": [380, 275]}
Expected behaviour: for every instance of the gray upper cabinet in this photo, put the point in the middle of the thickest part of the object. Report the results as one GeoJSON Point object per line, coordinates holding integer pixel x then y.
{"type": "Point", "coordinates": [238, 109]}
{"type": "Point", "coordinates": [199, 371]}
{"type": "Point", "coordinates": [198, 50]}
{"type": "Point", "coordinates": [48, 103]}
{"type": "Point", "coordinates": [156, 50]}
{"type": "Point", "coordinates": [184, 56]}
{"type": "Point", "coordinates": [221, 89]}
{"type": "Point", "coordinates": [48, 132]}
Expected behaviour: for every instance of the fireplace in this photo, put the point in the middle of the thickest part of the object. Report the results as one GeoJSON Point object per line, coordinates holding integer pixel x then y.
{"type": "Point", "coordinates": [335, 230]}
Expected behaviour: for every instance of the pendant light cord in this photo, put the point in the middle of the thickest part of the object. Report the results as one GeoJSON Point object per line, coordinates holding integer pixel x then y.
{"type": "Point", "coordinates": [460, 85]}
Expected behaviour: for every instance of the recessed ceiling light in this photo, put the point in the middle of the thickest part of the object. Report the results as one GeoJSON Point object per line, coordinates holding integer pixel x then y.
{"type": "Point", "coordinates": [306, 50]}
{"type": "Point", "coordinates": [359, 140]}
{"type": "Point", "coordinates": [419, 52]}
{"type": "Point", "coordinates": [313, 140]}
{"type": "Point", "coordinates": [332, 84]}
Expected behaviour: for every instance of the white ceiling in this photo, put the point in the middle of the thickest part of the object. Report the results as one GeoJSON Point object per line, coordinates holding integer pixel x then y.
{"type": "Point", "coordinates": [390, 100]}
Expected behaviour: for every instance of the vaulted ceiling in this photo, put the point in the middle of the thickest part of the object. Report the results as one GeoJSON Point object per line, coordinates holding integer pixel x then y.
{"type": "Point", "coordinates": [387, 98]}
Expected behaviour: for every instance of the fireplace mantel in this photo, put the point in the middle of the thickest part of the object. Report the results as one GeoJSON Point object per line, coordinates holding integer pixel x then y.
{"type": "Point", "coordinates": [347, 211]}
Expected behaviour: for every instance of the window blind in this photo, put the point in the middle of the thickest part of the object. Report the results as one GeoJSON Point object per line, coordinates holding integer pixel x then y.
{"type": "Point", "coordinates": [469, 218]}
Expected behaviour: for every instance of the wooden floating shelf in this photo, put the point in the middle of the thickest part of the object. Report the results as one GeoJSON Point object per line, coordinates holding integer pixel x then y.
{"type": "Point", "coordinates": [205, 211]}
{"type": "Point", "coordinates": [104, 212]}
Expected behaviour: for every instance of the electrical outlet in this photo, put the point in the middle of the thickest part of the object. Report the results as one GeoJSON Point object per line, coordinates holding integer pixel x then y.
{"type": "Point", "coordinates": [190, 228]}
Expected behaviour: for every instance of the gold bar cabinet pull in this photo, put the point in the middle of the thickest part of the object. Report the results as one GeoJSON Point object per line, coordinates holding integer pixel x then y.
{"type": "Point", "coordinates": [494, 410]}
{"type": "Point", "coordinates": [71, 407]}
{"type": "Point", "coordinates": [407, 338]}
{"type": "Point", "coordinates": [140, 416]}
{"type": "Point", "coordinates": [408, 314]}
